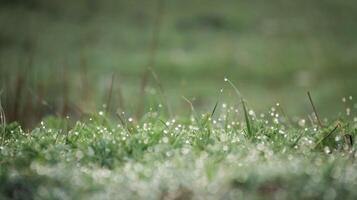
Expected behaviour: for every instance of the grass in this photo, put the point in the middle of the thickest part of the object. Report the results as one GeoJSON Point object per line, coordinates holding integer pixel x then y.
{"type": "Point", "coordinates": [185, 157]}
{"type": "Point", "coordinates": [163, 131]}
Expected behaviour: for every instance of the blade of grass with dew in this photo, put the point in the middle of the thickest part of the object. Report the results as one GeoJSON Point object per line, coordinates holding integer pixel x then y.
{"type": "Point", "coordinates": [246, 116]}
{"type": "Point", "coordinates": [247, 121]}
{"type": "Point", "coordinates": [297, 140]}
{"type": "Point", "coordinates": [326, 136]}
{"type": "Point", "coordinates": [123, 122]}
{"type": "Point", "coordinates": [218, 99]}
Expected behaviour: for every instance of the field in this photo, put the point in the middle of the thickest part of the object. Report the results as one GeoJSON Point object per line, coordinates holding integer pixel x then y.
{"type": "Point", "coordinates": [180, 99]}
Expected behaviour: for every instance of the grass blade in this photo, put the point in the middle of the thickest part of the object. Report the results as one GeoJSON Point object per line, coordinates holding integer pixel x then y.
{"type": "Point", "coordinates": [215, 106]}
{"type": "Point", "coordinates": [326, 136]}
{"type": "Point", "coordinates": [246, 117]}
{"type": "Point", "coordinates": [2, 121]}
{"type": "Point", "coordinates": [214, 109]}
{"type": "Point", "coordinates": [297, 140]}
{"type": "Point", "coordinates": [348, 140]}
{"type": "Point", "coordinates": [110, 93]}
{"type": "Point", "coordinates": [123, 122]}
{"type": "Point", "coordinates": [315, 111]}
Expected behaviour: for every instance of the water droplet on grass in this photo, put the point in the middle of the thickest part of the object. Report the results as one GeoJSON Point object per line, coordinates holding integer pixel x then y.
{"type": "Point", "coordinates": [225, 148]}
{"type": "Point", "coordinates": [327, 150]}
{"type": "Point", "coordinates": [302, 122]}
{"type": "Point", "coordinates": [185, 151]}
{"type": "Point", "coordinates": [165, 140]}
{"type": "Point", "coordinates": [348, 111]}
{"type": "Point", "coordinates": [337, 138]}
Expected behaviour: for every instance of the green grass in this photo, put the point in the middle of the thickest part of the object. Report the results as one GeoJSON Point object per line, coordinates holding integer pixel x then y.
{"type": "Point", "coordinates": [68, 58]}
{"type": "Point", "coordinates": [185, 157]}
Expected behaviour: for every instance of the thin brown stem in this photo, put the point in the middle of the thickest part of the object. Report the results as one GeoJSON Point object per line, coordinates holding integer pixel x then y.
{"type": "Point", "coordinates": [315, 111]}
{"type": "Point", "coordinates": [2, 121]}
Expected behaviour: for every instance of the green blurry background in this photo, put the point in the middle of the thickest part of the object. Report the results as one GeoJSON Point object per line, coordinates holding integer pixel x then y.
{"type": "Point", "coordinates": [274, 51]}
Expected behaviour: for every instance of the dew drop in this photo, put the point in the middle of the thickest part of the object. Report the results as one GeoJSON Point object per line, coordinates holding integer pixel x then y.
{"type": "Point", "coordinates": [327, 150]}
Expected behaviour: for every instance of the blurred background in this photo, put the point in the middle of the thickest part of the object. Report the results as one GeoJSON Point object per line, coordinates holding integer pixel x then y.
{"type": "Point", "coordinates": [72, 57]}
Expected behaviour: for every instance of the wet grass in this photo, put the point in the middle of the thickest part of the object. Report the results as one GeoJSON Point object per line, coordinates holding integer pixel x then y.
{"type": "Point", "coordinates": [125, 100]}
{"type": "Point", "coordinates": [231, 152]}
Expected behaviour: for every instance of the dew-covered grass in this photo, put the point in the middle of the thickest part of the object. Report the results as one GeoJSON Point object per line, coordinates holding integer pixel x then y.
{"type": "Point", "coordinates": [201, 156]}
{"type": "Point", "coordinates": [67, 58]}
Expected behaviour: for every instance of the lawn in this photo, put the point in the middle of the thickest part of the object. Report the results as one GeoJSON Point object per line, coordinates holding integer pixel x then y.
{"type": "Point", "coordinates": [178, 99]}
{"type": "Point", "coordinates": [225, 154]}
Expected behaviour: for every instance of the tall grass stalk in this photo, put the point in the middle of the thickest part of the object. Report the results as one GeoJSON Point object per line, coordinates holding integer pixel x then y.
{"type": "Point", "coordinates": [216, 104]}
{"type": "Point", "coordinates": [245, 110]}
{"type": "Point", "coordinates": [315, 111]}
{"type": "Point", "coordinates": [2, 121]}
{"type": "Point", "coordinates": [110, 93]}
